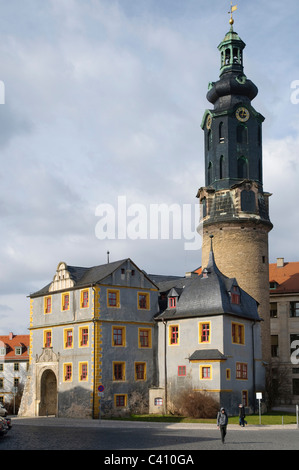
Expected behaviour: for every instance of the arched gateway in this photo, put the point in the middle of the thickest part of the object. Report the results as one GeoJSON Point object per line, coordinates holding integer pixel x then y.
{"type": "Point", "coordinates": [48, 393]}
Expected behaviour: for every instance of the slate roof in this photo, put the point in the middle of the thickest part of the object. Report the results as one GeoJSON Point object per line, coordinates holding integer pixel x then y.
{"type": "Point", "coordinates": [84, 277]}
{"type": "Point", "coordinates": [207, 355]}
{"type": "Point", "coordinates": [209, 294]}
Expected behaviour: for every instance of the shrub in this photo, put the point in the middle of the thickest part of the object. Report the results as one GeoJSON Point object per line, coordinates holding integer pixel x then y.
{"type": "Point", "coordinates": [195, 404]}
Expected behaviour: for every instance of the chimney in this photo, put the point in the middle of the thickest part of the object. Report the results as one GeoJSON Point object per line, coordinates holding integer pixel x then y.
{"type": "Point", "coordinates": [10, 336]}
{"type": "Point", "coordinates": [280, 262]}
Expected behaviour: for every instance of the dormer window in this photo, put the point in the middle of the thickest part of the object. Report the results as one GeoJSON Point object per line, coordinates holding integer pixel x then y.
{"type": "Point", "coordinates": [235, 295]}
{"type": "Point", "coordinates": [18, 350]}
{"type": "Point", "coordinates": [172, 302]}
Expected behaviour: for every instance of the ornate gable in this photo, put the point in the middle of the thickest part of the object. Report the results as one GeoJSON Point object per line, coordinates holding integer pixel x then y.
{"type": "Point", "coordinates": [62, 278]}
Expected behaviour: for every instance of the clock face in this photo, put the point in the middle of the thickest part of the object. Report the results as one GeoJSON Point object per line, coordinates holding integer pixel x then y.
{"type": "Point", "coordinates": [242, 114]}
{"type": "Point", "coordinates": [209, 121]}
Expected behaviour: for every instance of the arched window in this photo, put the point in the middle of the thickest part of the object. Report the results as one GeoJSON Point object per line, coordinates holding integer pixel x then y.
{"type": "Point", "coordinates": [221, 137]}
{"type": "Point", "coordinates": [242, 134]}
{"type": "Point", "coordinates": [242, 167]}
{"type": "Point", "coordinates": [210, 172]}
{"type": "Point", "coordinates": [221, 168]}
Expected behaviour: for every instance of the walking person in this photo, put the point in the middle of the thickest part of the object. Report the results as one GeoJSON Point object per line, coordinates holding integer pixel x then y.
{"type": "Point", "coordinates": [242, 415]}
{"type": "Point", "coordinates": [222, 421]}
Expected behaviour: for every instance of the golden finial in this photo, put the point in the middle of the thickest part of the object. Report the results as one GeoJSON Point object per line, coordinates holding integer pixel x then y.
{"type": "Point", "coordinates": [232, 9]}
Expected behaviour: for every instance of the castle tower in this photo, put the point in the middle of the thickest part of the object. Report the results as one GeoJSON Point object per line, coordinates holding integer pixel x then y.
{"type": "Point", "coordinates": [234, 207]}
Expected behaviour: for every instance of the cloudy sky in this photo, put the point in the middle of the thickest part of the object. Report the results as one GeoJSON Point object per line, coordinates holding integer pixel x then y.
{"type": "Point", "coordinates": [103, 105]}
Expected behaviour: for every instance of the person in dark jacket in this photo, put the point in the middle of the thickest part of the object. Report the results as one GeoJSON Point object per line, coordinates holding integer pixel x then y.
{"type": "Point", "coordinates": [242, 415]}
{"type": "Point", "coordinates": [222, 421]}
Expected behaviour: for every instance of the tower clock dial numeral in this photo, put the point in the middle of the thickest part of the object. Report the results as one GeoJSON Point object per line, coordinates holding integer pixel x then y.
{"type": "Point", "coordinates": [209, 121]}
{"type": "Point", "coordinates": [242, 114]}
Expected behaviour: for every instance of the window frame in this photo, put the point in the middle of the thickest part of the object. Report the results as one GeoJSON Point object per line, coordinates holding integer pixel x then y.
{"type": "Point", "coordinates": [123, 336]}
{"type": "Point", "coordinates": [241, 371]}
{"type": "Point", "coordinates": [115, 377]}
{"type": "Point", "coordinates": [66, 344]}
{"type": "Point", "coordinates": [67, 372]}
{"type": "Point", "coordinates": [47, 308]}
{"type": "Point", "coordinates": [45, 338]}
{"type": "Point", "coordinates": [143, 372]}
{"type": "Point", "coordinates": [201, 332]}
{"type": "Point", "coordinates": [174, 338]}
{"type": "Point", "coordinates": [115, 292]}
{"type": "Point", "coordinates": [118, 396]}
{"type": "Point", "coordinates": [147, 300]}
{"type": "Point", "coordinates": [64, 295]}
{"type": "Point", "coordinates": [83, 300]}
{"type": "Point", "coordinates": [149, 338]}
{"type": "Point", "coordinates": [81, 335]}
{"type": "Point", "coordinates": [238, 333]}
{"type": "Point", "coordinates": [83, 364]}
{"type": "Point", "coordinates": [202, 372]}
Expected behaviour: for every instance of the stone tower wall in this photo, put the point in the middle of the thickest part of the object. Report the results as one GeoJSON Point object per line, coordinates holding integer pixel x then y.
{"type": "Point", "coordinates": [241, 251]}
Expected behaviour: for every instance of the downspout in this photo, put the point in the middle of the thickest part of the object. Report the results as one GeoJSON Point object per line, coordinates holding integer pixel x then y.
{"type": "Point", "coordinates": [94, 351]}
{"type": "Point", "coordinates": [253, 367]}
{"type": "Point", "coordinates": [165, 364]}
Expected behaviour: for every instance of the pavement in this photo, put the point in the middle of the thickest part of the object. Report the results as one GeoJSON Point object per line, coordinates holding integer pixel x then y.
{"type": "Point", "coordinates": [106, 423]}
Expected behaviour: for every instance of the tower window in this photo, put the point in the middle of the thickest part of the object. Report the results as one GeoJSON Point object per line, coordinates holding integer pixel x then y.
{"type": "Point", "coordinates": [242, 167]}
{"type": "Point", "coordinates": [221, 137]}
{"type": "Point", "coordinates": [221, 161]}
{"type": "Point", "coordinates": [210, 169]}
{"type": "Point", "coordinates": [242, 134]}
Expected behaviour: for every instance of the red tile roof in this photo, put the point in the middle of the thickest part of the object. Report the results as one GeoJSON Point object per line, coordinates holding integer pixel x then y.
{"type": "Point", "coordinates": [286, 277]}
{"type": "Point", "coordinates": [11, 342]}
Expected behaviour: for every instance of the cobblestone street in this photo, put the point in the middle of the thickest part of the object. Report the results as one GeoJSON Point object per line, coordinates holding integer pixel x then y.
{"type": "Point", "coordinates": [61, 434]}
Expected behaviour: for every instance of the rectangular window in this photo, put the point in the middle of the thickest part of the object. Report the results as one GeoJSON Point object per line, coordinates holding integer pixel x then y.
{"type": "Point", "coordinates": [241, 370]}
{"type": "Point", "coordinates": [172, 302]}
{"type": "Point", "coordinates": [1, 382]}
{"type": "Point", "coordinates": [143, 300]}
{"type": "Point", "coordinates": [47, 338]}
{"type": "Point", "coordinates": [83, 336]}
{"type": "Point", "coordinates": [113, 298]}
{"type": "Point", "coordinates": [119, 371]}
{"type": "Point", "coordinates": [205, 372]}
{"type": "Point", "coordinates": [273, 310]}
{"type": "Point", "coordinates": [294, 309]}
{"type": "Point", "coordinates": [16, 366]}
{"type": "Point", "coordinates": [68, 338]}
{"type": "Point", "coordinates": [227, 374]}
{"type": "Point", "coordinates": [84, 298]}
{"type": "Point", "coordinates": [120, 401]}
{"type": "Point", "coordinates": [174, 334]}
{"type": "Point", "coordinates": [118, 336]}
{"type": "Point", "coordinates": [67, 372]}
{"type": "Point", "coordinates": [238, 333]}
{"type": "Point", "coordinates": [144, 338]}
{"type": "Point", "coordinates": [245, 397]}
{"type": "Point", "coordinates": [204, 332]}
{"type": "Point", "coordinates": [181, 371]}
{"type": "Point", "coordinates": [158, 401]}
{"type": "Point", "coordinates": [65, 301]}
{"type": "Point", "coordinates": [83, 368]}
{"type": "Point", "coordinates": [48, 304]}
{"type": "Point", "coordinates": [140, 371]}
{"type": "Point", "coordinates": [235, 295]}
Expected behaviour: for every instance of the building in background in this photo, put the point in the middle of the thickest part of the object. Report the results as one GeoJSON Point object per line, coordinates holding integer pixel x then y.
{"type": "Point", "coordinates": [284, 313]}
{"type": "Point", "coordinates": [14, 360]}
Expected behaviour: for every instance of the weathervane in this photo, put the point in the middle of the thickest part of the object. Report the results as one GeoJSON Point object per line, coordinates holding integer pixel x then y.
{"type": "Point", "coordinates": [232, 9]}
